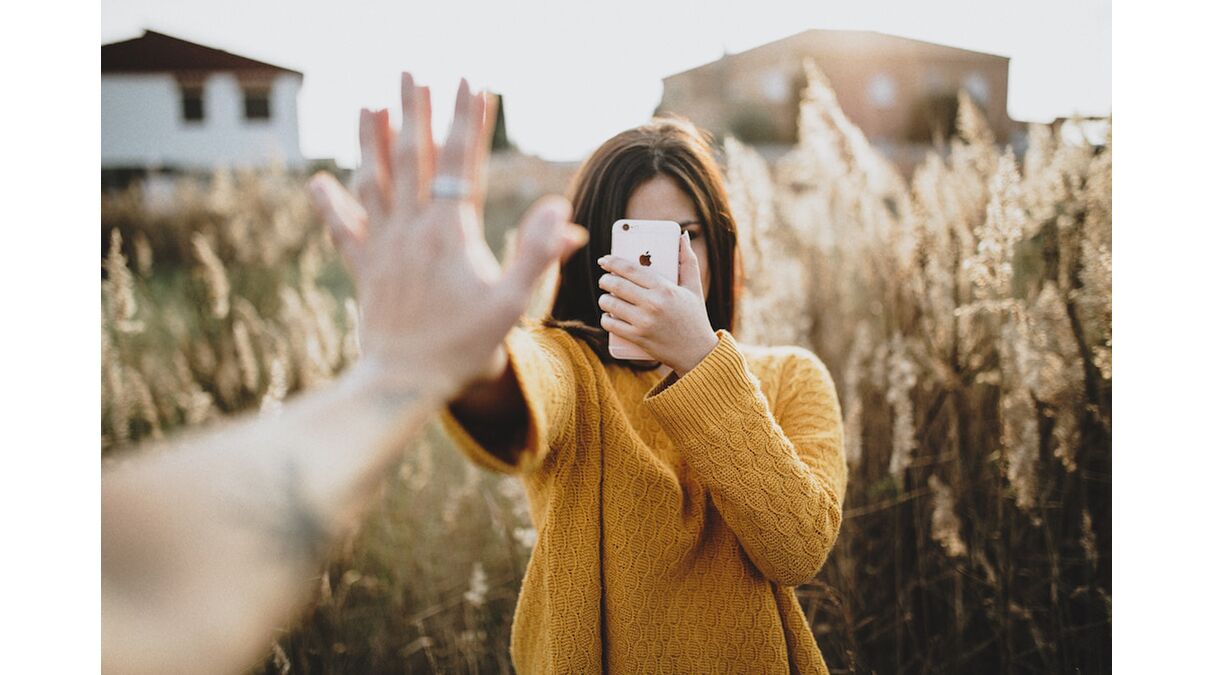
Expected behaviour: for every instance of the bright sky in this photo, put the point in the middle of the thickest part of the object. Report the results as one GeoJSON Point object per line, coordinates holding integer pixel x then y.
{"type": "Point", "coordinates": [572, 74]}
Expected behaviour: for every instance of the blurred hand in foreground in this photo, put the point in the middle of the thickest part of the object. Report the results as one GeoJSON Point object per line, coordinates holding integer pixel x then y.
{"type": "Point", "coordinates": [435, 303]}
{"type": "Point", "coordinates": [210, 545]}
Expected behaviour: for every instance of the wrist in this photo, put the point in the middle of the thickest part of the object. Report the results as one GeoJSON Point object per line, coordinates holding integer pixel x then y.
{"type": "Point", "coordinates": [698, 355]}
{"type": "Point", "coordinates": [495, 367]}
{"type": "Point", "coordinates": [369, 377]}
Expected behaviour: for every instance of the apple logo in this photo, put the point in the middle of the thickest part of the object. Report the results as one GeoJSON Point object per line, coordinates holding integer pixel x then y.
{"type": "Point", "coordinates": [645, 259]}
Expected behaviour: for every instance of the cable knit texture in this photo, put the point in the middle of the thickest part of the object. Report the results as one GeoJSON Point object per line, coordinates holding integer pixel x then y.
{"type": "Point", "coordinates": [674, 515]}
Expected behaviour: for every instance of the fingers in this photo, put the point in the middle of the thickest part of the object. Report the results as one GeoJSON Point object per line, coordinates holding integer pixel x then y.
{"type": "Point", "coordinates": [473, 154]}
{"type": "Point", "coordinates": [370, 180]}
{"type": "Point", "coordinates": [426, 152]}
{"type": "Point", "coordinates": [631, 271]}
{"type": "Point", "coordinates": [543, 236]}
{"type": "Point", "coordinates": [342, 214]}
{"type": "Point", "coordinates": [623, 288]}
{"type": "Point", "coordinates": [407, 149]}
{"type": "Point", "coordinates": [482, 149]}
{"type": "Point", "coordinates": [622, 328]}
{"type": "Point", "coordinates": [473, 132]}
{"type": "Point", "coordinates": [689, 265]}
{"type": "Point", "coordinates": [622, 309]}
{"type": "Point", "coordinates": [576, 236]}
{"type": "Point", "coordinates": [384, 140]}
{"type": "Point", "coordinates": [455, 156]}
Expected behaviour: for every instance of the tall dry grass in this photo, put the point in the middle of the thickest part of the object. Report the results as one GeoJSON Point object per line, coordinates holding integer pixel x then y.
{"type": "Point", "coordinates": [218, 298]}
{"type": "Point", "coordinates": [967, 319]}
{"type": "Point", "coordinates": [965, 315]}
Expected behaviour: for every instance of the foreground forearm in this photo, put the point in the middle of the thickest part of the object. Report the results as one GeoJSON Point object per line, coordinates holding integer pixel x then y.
{"type": "Point", "coordinates": [209, 545]}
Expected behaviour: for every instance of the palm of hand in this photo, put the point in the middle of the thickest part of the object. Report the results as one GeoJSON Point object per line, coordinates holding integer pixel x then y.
{"type": "Point", "coordinates": [437, 292]}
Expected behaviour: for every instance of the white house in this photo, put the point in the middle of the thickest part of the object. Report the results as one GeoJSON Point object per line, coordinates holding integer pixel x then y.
{"type": "Point", "coordinates": [169, 104]}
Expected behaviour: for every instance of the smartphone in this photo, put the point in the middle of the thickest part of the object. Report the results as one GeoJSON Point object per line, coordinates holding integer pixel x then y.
{"type": "Point", "coordinates": [650, 243]}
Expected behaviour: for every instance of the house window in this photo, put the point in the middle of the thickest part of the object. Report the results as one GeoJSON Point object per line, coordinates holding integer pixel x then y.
{"type": "Point", "coordinates": [257, 103]}
{"type": "Point", "coordinates": [935, 82]}
{"type": "Point", "coordinates": [976, 84]}
{"type": "Point", "coordinates": [882, 91]}
{"type": "Point", "coordinates": [776, 86]}
{"type": "Point", "coordinates": [192, 103]}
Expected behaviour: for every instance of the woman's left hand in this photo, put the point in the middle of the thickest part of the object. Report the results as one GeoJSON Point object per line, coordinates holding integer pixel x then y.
{"type": "Point", "coordinates": [669, 321]}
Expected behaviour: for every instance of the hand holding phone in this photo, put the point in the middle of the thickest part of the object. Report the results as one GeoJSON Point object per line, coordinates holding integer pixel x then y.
{"type": "Point", "coordinates": [653, 244]}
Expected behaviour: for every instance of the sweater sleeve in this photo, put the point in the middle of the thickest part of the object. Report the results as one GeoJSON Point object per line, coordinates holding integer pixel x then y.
{"type": "Point", "coordinates": [543, 366]}
{"type": "Point", "coordinates": [778, 486]}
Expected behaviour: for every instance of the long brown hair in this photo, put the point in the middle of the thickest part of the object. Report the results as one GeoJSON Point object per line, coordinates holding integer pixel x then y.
{"type": "Point", "coordinates": [669, 145]}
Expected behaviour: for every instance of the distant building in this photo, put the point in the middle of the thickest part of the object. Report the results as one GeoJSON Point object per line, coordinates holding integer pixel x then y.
{"type": "Point", "coordinates": [173, 105]}
{"type": "Point", "coordinates": [897, 90]}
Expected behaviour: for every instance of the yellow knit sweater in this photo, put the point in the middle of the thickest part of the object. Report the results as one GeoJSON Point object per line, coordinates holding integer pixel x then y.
{"type": "Point", "coordinates": [674, 515]}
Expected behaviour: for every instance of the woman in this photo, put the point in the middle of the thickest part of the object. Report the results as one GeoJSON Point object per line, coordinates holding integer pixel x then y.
{"type": "Point", "coordinates": [676, 502]}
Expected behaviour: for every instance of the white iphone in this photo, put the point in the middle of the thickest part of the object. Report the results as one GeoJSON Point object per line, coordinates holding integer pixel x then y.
{"type": "Point", "coordinates": [653, 244]}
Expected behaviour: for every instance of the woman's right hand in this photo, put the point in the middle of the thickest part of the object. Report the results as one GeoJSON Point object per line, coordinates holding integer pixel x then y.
{"type": "Point", "coordinates": [435, 304]}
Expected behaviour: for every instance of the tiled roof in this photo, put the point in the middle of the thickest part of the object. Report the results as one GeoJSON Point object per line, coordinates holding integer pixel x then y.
{"type": "Point", "coordinates": [155, 52]}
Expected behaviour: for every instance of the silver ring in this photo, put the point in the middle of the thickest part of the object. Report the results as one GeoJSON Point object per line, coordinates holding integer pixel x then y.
{"type": "Point", "coordinates": [449, 187]}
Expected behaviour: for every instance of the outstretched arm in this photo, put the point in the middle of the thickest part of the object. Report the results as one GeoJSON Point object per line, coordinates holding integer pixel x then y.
{"type": "Point", "coordinates": [209, 545]}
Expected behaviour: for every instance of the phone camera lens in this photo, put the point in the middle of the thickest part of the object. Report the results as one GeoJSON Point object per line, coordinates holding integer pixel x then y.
{"type": "Point", "coordinates": [626, 226]}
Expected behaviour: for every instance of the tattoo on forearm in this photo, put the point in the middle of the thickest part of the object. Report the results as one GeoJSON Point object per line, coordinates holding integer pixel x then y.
{"type": "Point", "coordinates": [392, 401]}
{"type": "Point", "coordinates": [295, 529]}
